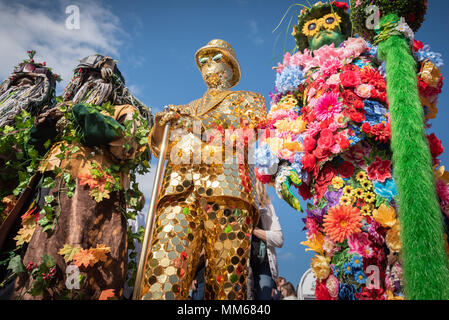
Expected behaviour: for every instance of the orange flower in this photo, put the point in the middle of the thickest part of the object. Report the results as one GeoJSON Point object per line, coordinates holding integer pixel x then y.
{"type": "Point", "coordinates": [341, 222]}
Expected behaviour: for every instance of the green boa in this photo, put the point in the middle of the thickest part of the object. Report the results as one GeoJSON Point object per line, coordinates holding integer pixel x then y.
{"type": "Point", "coordinates": [425, 262]}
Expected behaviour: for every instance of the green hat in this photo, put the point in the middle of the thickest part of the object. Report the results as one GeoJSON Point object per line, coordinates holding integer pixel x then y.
{"type": "Point", "coordinates": [317, 11]}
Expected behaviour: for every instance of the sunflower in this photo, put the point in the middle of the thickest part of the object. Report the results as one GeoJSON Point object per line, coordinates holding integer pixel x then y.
{"type": "Point", "coordinates": [347, 191]}
{"type": "Point", "coordinates": [366, 185]}
{"type": "Point", "coordinates": [367, 210]}
{"type": "Point", "coordinates": [341, 222]}
{"type": "Point", "coordinates": [311, 27]}
{"type": "Point", "coordinates": [359, 193]}
{"type": "Point", "coordinates": [369, 197]}
{"type": "Point", "coordinates": [361, 176]}
{"type": "Point", "coordinates": [331, 21]}
{"type": "Point", "coordinates": [346, 200]}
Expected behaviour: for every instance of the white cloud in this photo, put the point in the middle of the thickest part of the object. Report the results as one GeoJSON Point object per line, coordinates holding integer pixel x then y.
{"type": "Point", "coordinates": [254, 33]}
{"type": "Point", "coordinates": [26, 25]}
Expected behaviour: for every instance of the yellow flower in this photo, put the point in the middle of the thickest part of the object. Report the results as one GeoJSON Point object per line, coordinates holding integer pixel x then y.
{"type": "Point", "coordinates": [298, 126]}
{"type": "Point", "coordinates": [369, 197]}
{"type": "Point", "coordinates": [347, 200]}
{"type": "Point", "coordinates": [385, 215]}
{"type": "Point", "coordinates": [275, 144]}
{"type": "Point", "coordinates": [367, 210]}
{"type": "Point", "coordinates": [331, 21]}
{"type": "Point", "coordinates": [320, 267]}
{"type": "Point", "coordinates": [315, 243]}
{"type": "Point", "coordinates": [366, 185]}
{"type": "Point", "coordinates": [391, 296]}
{"type": "Point", "coordinates": [347, 191]}
{"type": "Point", "coordinates": [393, 240]}
{"type": "Point", "coordinates": [311, 27]}
{"type": "Point", "coordinates": [359, 193]}
{"type": "Point", "coordinates": [361, 176]}
{"type": "Point", "coordinates": [442, 174]}
{"type": "Point", "coordinates": [337, 182]}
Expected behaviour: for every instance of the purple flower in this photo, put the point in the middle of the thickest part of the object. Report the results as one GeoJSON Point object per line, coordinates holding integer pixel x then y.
{"type": "Point", "coordinates": [333, 198]}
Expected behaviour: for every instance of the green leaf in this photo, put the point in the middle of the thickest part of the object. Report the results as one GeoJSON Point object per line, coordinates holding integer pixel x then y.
{"type": "Point", "coordinates": [49, 199]}
{"type": "Point", "coordinates": [48, 183]}
{"type": "Point", "coordinates": [48, 261]}
{"type": "Point", "coordinates": [16, 265]}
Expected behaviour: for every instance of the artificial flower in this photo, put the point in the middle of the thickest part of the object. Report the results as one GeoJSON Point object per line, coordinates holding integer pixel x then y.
{"type": "Point", "coordinates": [337, 182]}
{"type": "Point", "coordinates": [366, 185]}
{"type": "Point", "coordinates": [360, 277]}
{"type": "Point", "coordinates": [385, 215]}
{"type": "Point", "coordinates": [315, 243]}
{"type": "Point", "coordinates": [364, 90]}
{"type": "Point", "coordinates": [346, 200]}
{"type": "Point", "coordinates": [327, 106]}
{"type": "Point", "coordinates": [346, 169]}
{"type": "Point", "coordinates": [369, 197]}
{"type": "Point", "coordinates": [347, 191]}
{"type": "Point", "coordinates": [386, 190]}
{"type": "Point", "coordinates": [347, 292]}
{"type": "Point", "coordinates": [367, 210]}
{"type": "Point", "coordinates": [321, 291]}
{"type": "Point", "coordinates": [379, 170]}
{"type": "Point", "coordinates": [334, 24]}
{"type": "Point", "coordinates": [392, 239]}
{"type": "Point", "coordinates": [332, 286]}
{"type": "Point", "coordinates": [359, 193]}
{"type": "Point", "coordinates": [341, 222]}
{"type": "Point", "coordinates": [350, 79]}
{"type": "Point", "coordinates": [320, 267]}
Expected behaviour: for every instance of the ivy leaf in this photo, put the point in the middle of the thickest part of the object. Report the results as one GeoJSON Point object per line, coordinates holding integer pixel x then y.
{"type": "Point", "coordinates": [68, 252]}
{"type": "Point", "coordinates": [48, 261]}
{"type": "Point", "coordinates": [16, 265]}
{"type": "Point", "coordinates": [48, 183]}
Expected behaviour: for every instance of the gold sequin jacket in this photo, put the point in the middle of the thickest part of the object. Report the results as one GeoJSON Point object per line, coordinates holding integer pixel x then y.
{"type": "Point", "coordinates": [220, 111]}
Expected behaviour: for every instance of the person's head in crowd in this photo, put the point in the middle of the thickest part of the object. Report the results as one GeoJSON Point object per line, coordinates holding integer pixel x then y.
{"type": "Point", "coordinates": [287, 290]}
{"type": "Point", "coordinates": [279, 282]}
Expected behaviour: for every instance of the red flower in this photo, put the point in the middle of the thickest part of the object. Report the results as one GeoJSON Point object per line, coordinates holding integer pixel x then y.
{"type": "Point", "coordinates": [351, 99]}
{"type": "Point", "coordinates": [346, 169]}
{"type": "Point", "coordinates": [340, 4]}
{"type": "Point", "coordinates": [304, 191]}
{"type": "Point", "coordinates": [417, 45]}
{"type": "Point", "coordinates": [321, 292]}
{"type": "Point", "coordinates": [436, 147]}
{"type": "Point", "coordinates": [326, 140]}
{"type": "Point", "coordinates": [366, 128]}
{"type": "Point", "coordinates": [379, 170]}
{"type": "Point", "coordinates": [309, 162]}
{"type": "Point", "coordinates": [354, 115]}
{"type": "Point", "coordinates": [342, 141]}
{"type": "Point", "coordinates": [309, 144]}
{"type": "Point", "coordinates": [262, 177]}
{"type": "Point", "coordinates": [324, 179]}
{"type": "Point", "coordinates": [350, 79]}
{"type": "Point", "coordinates": [321, 154]}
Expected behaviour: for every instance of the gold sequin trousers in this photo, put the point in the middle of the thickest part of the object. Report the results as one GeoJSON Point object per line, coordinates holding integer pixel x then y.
{"type": "Point", "coordinates": [186, 225]}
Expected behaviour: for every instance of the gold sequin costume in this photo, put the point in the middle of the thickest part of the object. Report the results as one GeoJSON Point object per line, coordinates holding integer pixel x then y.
{"type": "Point", "coordinates": [205, 205]}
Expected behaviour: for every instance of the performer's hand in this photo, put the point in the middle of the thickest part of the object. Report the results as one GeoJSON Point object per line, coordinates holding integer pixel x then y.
{"type": "Point", "coordinates": [171, 114]}
{"type": "Point", "coordinates": [48, 117]}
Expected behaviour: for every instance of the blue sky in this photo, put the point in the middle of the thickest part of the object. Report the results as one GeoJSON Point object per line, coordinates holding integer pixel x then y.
{"type": "Point", "coordinates": [155, 42]}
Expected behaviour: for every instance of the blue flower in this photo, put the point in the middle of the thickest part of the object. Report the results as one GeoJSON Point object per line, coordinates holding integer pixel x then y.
{"type": "Point", "coordinates": [425, 54]}
{"type": "Point", "coordinates": [375, 112]}
{"type": "Point", "coordinates": [264, 158]}
{"type": "Point", "coordinates": [347, 292]}
{"type": "Point", "coordinates": [358, 135]}
{"type": "Point", "coordinates": [356, 261]}
{"type": "Point", "coordinates": [360, 277]}
{"type": "Point", "coordinates": [289, 79]}
{"type": "Point", "coordinates": [386, 190]}
{"type": "Point", "coordinates": [347, 268]}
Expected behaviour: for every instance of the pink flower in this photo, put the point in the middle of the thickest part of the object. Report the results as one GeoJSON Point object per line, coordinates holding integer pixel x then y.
{"type": "Point", "coordinates": [364, 90]}
{"type": "Point", "coordinates": [379, 170]}
{"type": "Point", "coordinates": [313, 129]}
{"type": "Point", "coordinates": [327, 106]}
{"type": "Point", "coordinates": [330, 67]}
{"type": "Point", "coordinates": [360, 244]}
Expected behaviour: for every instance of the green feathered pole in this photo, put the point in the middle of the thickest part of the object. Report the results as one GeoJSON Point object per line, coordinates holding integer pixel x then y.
{"type": "Point", "coordinates": [425, 262]}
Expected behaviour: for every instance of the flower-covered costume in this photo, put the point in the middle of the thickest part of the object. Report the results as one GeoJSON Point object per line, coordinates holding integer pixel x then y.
{"type": "Point", "coordinates": [330, 134]}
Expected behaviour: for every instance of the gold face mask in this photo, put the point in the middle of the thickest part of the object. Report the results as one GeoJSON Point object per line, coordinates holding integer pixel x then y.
{"type": "Point", "coordinates": [329, 22]}
{"type": "Point", "coordinates": [216, 71]}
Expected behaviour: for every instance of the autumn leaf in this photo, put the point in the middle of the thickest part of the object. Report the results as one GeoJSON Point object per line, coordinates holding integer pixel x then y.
{"type": "Point", "coordinates": [68, 252]}
{"type": "Point", "coordinates": [100, 252]}
{"type": "Point", "coordinates": [107, 294]}
{"type": "Point", "coordinates": [29, 214]}
{"type": "Point", "coordinates": [87, 178]}
{"type": "Point", "coordinates": [83, 258]}
{"type": "Point", "coordinates": [26, 232]}
{"type": "Point", "coordinates": [99, 195]}
{"type": "Point", "coordinates": [9, 201]}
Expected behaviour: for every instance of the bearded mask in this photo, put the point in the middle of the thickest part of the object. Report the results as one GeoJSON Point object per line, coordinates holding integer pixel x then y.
{"type": "Point", "coordinates": [97, 80]}
{"type": "Point", "coordinates": [30, 87]}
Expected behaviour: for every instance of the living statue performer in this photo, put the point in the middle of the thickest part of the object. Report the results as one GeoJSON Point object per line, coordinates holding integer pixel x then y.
{"type": "Point", "coordinates": [330, 135]}
{"type": "Point", "coordinates": [206, 202]}
{"type": "Point", "coordinates": [73, 238]}
{"type": "Point", "coordinates": [29, 89]}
